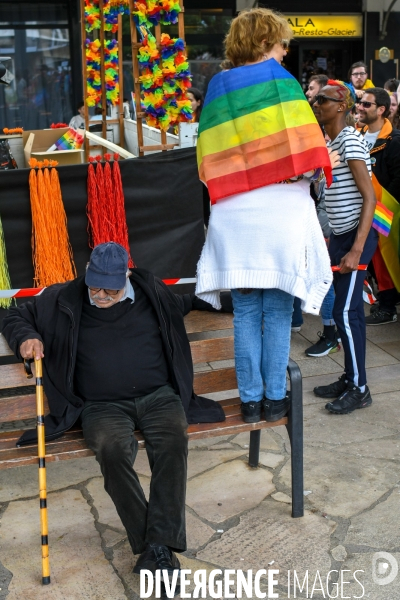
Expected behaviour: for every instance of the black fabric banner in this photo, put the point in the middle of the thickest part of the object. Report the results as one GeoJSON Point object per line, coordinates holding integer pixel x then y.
{"type": "Point", "coordinates": [164, 209]}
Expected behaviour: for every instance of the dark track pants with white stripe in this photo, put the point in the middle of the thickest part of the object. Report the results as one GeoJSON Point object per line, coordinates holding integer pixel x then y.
{"type": "Point", "coordinates": [348, 309]}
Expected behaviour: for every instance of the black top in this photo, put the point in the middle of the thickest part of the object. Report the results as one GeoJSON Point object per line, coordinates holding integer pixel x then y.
{"type": "Point", "coordinates": [120, 351]}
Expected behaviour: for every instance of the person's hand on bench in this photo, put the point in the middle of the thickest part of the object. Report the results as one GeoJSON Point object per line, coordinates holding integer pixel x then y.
{"type": "Point", "coordinates": [31, 349]}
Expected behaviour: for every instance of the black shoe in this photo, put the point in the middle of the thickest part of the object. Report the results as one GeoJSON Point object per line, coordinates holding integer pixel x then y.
{"type": "Point", "coordinates": [323, 347]}
{"type": "Point", "coordinates": [276, 409]}
{"type": "Point", "coordinates": [381, 317]}
{"type": "Point", "coordinates": [353, 398]}
{"type": "Point", "coordinates": [251, 411]}
{"type": "Point", "coordinates": [374, 307]}
{"type": "Point", "coordinates": [156, 557]}
{"type": "Point", "coordinates": [333, 390]}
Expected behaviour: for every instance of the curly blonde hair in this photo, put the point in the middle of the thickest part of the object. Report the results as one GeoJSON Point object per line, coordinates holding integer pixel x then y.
{"type": "Point", "coordinates": [253, 33]}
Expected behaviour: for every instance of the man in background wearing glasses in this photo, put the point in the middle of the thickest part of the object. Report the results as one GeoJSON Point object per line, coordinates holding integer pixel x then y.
{"type": "Point", "coordinates": [358, 77]}
{"type": "Point", "coordinates": [118, 358]}
{"type": "Point", "coordinates": [384, 146]}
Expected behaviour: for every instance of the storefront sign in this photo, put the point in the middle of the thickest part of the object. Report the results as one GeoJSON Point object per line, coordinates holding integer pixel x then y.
{"type": "Point", "coordinates": [326, 26]}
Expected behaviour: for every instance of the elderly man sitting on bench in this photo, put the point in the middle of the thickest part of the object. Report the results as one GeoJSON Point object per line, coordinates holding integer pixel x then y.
{"type": "Point", "coordinates": [118, 358]}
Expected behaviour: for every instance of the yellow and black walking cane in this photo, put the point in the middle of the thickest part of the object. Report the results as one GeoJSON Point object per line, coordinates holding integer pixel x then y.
{"type": "Point", "coordinates": [42, 465]}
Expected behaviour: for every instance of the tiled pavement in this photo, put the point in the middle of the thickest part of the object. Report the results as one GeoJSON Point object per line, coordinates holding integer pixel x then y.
{"type": "Point", "coordinates": [237, 517]}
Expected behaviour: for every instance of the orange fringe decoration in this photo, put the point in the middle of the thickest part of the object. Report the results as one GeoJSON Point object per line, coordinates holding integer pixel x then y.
{"type": "Point", "coordinates": [14, 131]}
{"type": "Point", "coordinates": [106, 205]}
{"type": "Point", "coordinates": [52, 253]}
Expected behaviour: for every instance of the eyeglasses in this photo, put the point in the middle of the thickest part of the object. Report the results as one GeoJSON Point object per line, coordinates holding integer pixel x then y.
{"type": "Point", "coordinates": [366, 104]}
{"type": "Point", "coordinates": [320, 99]}
{"type": "Point", "coordinates": [361, 74]}
{"type": "Point", "coordinates": [285, 44]}
{"type": "Point", "coordinates": [108, 292]}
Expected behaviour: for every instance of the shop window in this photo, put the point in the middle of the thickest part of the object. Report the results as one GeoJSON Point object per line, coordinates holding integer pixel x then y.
{"type": "Point", "coordinates": [36, 37]}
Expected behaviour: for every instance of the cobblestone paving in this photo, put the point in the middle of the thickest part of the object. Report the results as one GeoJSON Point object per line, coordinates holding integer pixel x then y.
{"type": "Point", "coordinates": [237, 517]}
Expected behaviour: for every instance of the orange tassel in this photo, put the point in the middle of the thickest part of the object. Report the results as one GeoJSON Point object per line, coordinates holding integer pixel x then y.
{"type": "Point", "coordinates": [52, 252]}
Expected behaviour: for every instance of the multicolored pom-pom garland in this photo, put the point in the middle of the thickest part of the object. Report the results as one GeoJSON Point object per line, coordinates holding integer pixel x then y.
{"type": "Point", "coordinates": [165, 78]}
{"type": "Point", "coordinates": [156, 12]}
{"type": "Point", "coordinates": [111, 10]}
{"type": "Point", "coordinates": [93, 59]}
{"type": "Point", "coordinates": [164, 71]}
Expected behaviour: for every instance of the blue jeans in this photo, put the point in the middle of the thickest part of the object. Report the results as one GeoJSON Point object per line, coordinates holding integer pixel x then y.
{"type": "Point", "coordinates": [297, 317]}
{"type": "Point", "coordinates": [262, 321]}
{"type": "Point", "coordinates": [327, 307]}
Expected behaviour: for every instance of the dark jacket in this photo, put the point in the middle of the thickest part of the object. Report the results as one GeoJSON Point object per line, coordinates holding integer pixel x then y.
{"type": "Point", "coordinates": [54, 318]}
{"type": "Point", "coordinates": [385, 159]}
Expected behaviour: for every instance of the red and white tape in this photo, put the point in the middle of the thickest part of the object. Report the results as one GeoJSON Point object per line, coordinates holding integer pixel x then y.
{"type": "Point", "coordinates": [27, 292]}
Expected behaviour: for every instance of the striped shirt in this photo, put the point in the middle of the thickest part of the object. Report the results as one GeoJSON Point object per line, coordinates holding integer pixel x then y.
{"type": "Point", "coordinates": [343, 200]}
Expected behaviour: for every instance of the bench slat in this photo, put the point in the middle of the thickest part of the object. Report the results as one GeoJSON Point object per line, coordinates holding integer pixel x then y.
{"type": "Point", "coordinates": [198, 320]}
{"type": "Point", "coordinates": [12, 376]}
{"type": "Point", "coordinates": [72, 444]}
{"type": "Point", "coordinates": [229, 427]}
{"type": "Point", "coordinates": [211, 350]}
{"type": "Point", "coordinates": [217, 380]}
{"type": "Point", "coordinates": [15, 408]}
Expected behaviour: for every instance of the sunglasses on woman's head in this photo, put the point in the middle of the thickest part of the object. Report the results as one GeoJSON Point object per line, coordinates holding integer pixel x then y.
{"type": "Point", "coordinates": [320, 99]}
{"type": "Point", "coordinates": [366, 104]}
{"type": "Point", "coordinates": [285, 44]}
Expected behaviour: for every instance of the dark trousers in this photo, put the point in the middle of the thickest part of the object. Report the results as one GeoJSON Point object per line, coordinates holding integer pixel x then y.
{"type": "Point", "coordinates": [348, 309]}
{"type": "Point", "coordinates": [108, 430]}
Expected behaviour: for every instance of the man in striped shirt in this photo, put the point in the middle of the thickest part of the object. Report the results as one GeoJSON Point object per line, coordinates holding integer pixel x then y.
{"type": "Point", "coordinates": [350, 204]}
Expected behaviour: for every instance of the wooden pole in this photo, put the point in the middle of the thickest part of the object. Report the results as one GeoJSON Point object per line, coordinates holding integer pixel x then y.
{"type": "Point", "coordinates": [158, 40]}
{"type": "Point", "coordinates": [136, 74]}
{"type": "Point", "coordinates": [84, 82]}
{"type": "Point", "coordinates": [121, 82]}
{"type": "Point", "coordinates": [181, 22]}
{"type": "Point", "coordinates": [102, 72]}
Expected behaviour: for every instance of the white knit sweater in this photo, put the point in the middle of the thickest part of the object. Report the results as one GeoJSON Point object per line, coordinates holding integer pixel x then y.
{"type": "Point", "coordinates": [266, 238]}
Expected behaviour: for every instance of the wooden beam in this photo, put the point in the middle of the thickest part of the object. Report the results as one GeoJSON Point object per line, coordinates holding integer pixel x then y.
{"type": "Point", "coordinates": [84, 77]}
{"type": "Point", "coordinates": [157, 147]}
{"type": "Point", "coordinates": [102, 72]}
{"type": "Point", "coordinates": [110, 145]}
{"type": "Point", "coordinates": [121, 81]}
{"type": "Point", "coordinates": [136, 74]}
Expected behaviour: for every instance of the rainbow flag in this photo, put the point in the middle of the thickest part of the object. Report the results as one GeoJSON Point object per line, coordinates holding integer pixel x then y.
{"type": "Point", "coordinates": [382, 220]}
{"type": "Point", "coordinates": [390, 245]}
{"type": "Point", "coordinates": [257, 128]}
{"type": "Point", "coordinates": [71, 140]}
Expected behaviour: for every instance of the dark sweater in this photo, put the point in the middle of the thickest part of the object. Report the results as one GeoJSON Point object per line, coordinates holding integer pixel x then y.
{"type": "Point", "coordinates": [120, 351]}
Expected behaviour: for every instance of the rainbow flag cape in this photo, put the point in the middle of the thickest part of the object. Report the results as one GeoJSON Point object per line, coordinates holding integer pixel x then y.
{"type": "Point", "coordinates": [71, 140]}
{"type": "Point", "coordinates": [389, 244]}
{"type": "Point", "coordinates": [257, 128]}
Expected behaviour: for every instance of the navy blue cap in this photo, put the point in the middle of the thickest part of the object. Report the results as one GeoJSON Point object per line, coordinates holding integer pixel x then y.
{"type": "Point", "coordinates": [107, 267]}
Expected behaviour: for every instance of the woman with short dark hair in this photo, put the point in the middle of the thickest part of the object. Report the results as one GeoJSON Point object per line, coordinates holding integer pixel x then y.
{"type": "Point", "coordinates": [350, 203]}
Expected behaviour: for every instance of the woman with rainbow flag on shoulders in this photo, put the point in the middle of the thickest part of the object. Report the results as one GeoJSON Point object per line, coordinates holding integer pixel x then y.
{"type": "Point", "coordinates": [257, 138]}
